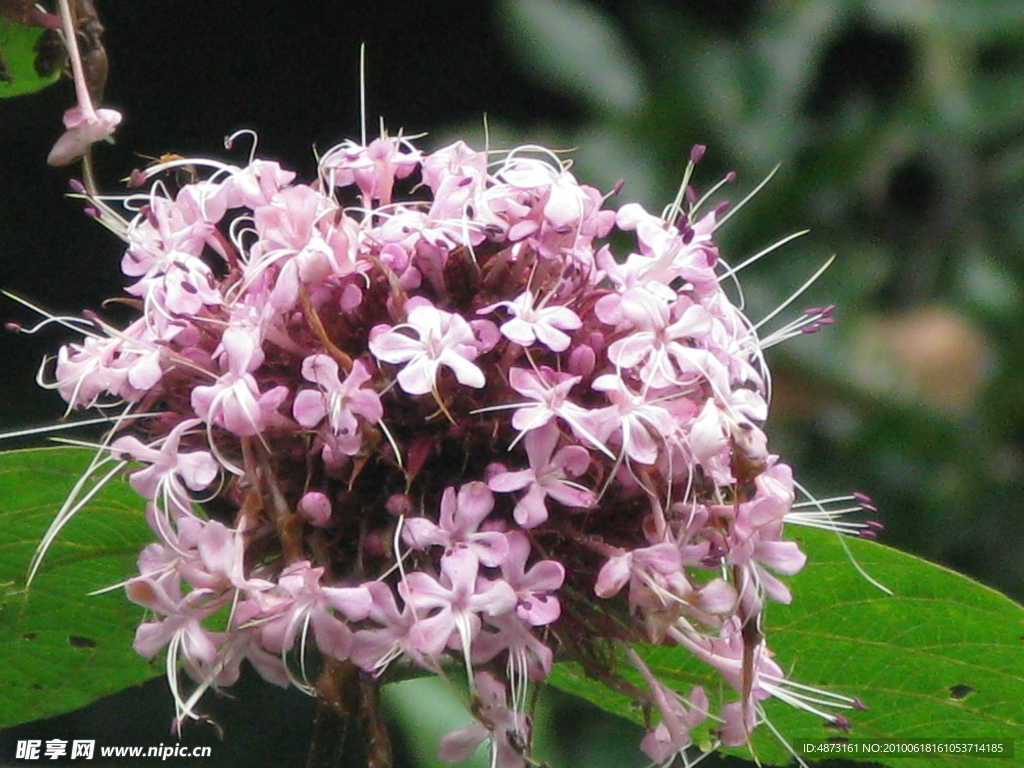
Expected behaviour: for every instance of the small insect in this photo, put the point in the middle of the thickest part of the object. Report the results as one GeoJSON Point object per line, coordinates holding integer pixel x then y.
{"type": "Point", "coordinates": [181, 173]}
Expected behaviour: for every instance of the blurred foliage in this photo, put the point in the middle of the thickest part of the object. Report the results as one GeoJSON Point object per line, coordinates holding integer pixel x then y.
{"type": "Point", "coordinates": [19, 54]}
{"type": "Point", "coordinates": [898, 127]}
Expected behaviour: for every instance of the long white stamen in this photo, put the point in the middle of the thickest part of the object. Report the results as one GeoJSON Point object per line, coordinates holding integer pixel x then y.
{"type": "Point", "coordinates": [72, 425]}
{"type": "Point", "coordinates": [750, 196]}
{"type": "Point", "coordinates": [70, 508]}
{"type": "Point", "coordinates": [842, 542]}
{"type": "Point", "coordinates": [732, 271]}
{"type": "Point", "coordinates": [796, 294]}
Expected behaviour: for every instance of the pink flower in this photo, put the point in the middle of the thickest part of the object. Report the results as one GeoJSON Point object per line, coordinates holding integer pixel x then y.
{"type": "Point", "coordinates": [643, 565]}
{"type": "Point", "coordinates": [456, 175]}
{"type": "Point", "coordinates": [84, 123]}
{"type": "Point", "coordinates": [640, 424]}
{"type": "Point", "coordinates": [182, 622]}
{"type": "Point", "coordinates": [84, 128]}
{"type": "Point", "coordinates": [310, 603]}
{"type": "Point", "coordinates": [257, 183]}
{"type": "Point", "coordinates": [372, 168]}
{"type": "Point", "coordinates": [530, 324]}
{"type": "Point", "coordinates": [548, 391]}
{"type": "Point", "coordinates": [460, 517]}
{"type": "Point", "coordinates": [495, 721]}
{"type": "Point", "coordinates": [564, 201]}
{"type": "Point", "coordinates": [459, 596]}
{"type": "Point", "coordinates": [234, 401]}
{"type": "Point", "coordinates": [339, 402]}
{"type": "Point", "coordinates": [171, 473]}
{"type": "Point", "coordinates": [547, 477]}
{"type": "Point", "coordinates": [85, 371]}
{"type": "Point", "coordinates": [442, 339]}
{"type": "Point", "coordinates": [672, 734]}
{"type": "Point", "coordinates": [421, 638]}
{"type": "Point", "coordinates": [278, 363]}
{"type": "Point", "coordinates": [537, 606]}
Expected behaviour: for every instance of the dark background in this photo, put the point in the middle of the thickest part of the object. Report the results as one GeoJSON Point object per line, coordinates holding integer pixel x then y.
{"type": "Point", "coordinates": [898, 126]}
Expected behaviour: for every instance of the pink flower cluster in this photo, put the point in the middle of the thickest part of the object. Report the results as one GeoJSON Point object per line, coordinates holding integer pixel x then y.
{"type": "Point", "coordinates": [453, 426]}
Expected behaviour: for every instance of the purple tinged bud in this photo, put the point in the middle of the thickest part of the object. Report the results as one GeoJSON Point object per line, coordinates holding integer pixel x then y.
{"type": "Point", "coordinates": [722, 207]}
{"type": "Point", "coordinates": [399, 504]}
{"type": "Point", "coordinates": [91, 212]}
{"type": "Point", "coordinates": [582, 360]}
{"type": "Point", "coordinates": [12, 326]}
{"type": "Point", "coordinates": [868, 535]}
{"type": "Point", "coordinates": [859, 705]}
{"type": "Point", "coordinates": [691, 195]}
{"type": "Point", "coordinates": [316, 508]}
{"type": "Point", "coordinates": [730, 177]}
{"type": "Point", "coordinates": [373, 544]}
{"type": "Point", "coordinates": [875, 525]}
{"type": "Point", "coordinates": [76, 186]}
{"type": "Point", "coordinates": [697, 153]}
{"type": "Point", "coordinates": [618, 187]}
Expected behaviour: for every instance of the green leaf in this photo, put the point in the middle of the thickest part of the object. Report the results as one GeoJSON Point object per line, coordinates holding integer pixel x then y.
{"type": "Point", "coordinates": [576, 48]}
{"type": "Point", "coordinates": [62, 649]}
{"type": "Point", "coordinates": [17, 46]}
{"type": "Point", "coordinates": [943, 657]}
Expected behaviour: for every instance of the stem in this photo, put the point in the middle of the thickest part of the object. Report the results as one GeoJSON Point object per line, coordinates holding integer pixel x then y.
{"type": "Point", "coordinates": [375, 733]}
{"type": "Point", "coordinates": [75, 57]}
{"type": "Point", "coordinates": [337, 701]}
{"type": "Point", "coordinates": [344, 694]}
{"type": "Point", "coordinates": [329, 735]}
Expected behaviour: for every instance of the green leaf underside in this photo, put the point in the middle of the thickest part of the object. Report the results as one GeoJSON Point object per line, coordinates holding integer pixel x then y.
{"type": "Point", "coordinates": [17, 44]}
{"type": "Point", "coordinates": [942, 658]}
{"type": "Point", "coordinates": [60, 648]}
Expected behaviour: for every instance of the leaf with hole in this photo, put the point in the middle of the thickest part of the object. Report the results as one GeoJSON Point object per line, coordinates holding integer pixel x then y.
{"type": "Point", "coordinates": [61, 648]}
{"type": "Point", "coordinates": [19, 50]}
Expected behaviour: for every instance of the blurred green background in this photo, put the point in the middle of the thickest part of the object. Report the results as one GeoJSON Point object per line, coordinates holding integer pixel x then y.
{"type": "Point", "coordinates": [898, 126]}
